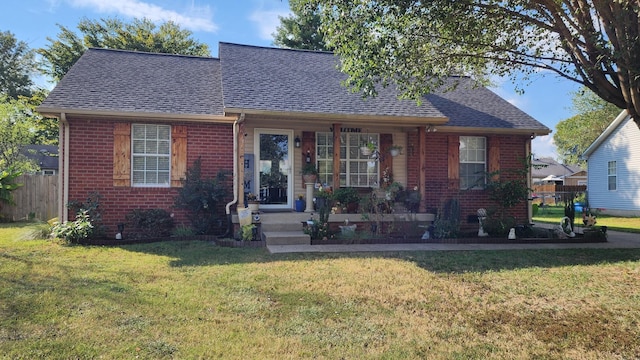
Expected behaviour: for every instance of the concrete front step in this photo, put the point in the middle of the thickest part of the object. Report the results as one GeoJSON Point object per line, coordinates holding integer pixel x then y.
{"type": "Point", "coordinates": [286, 238]}
{"type": "Point", "coordinates": [282, 227]}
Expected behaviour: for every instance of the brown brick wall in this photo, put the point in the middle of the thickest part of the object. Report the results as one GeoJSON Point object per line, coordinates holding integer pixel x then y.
{"type": "Point", "coordinates": [438, 189]}
{"type": "Point", "coordinates": [91, 168]}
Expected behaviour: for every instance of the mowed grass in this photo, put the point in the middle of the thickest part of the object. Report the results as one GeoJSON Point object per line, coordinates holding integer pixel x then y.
{"type": "Point", "coordinates": [553, 214]}
{"type": "Point", "coordinates": [188, 300]}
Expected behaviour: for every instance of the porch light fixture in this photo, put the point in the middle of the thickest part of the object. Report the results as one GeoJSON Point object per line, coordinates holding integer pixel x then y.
{"type": "Point", "coordinates": [431, 128]}
{"type": "Point", "coordinates": [297, 142]}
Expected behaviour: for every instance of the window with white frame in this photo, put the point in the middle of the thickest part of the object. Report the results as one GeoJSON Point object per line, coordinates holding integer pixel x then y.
{"type": "Point", "coordinates": [612, 176]}
{"type": "Point", "coordinates": [356, 169]}
{"type": "Point", "coordinates": [151, 155]}
{"type": "Point", "coordinates": [473, 161]}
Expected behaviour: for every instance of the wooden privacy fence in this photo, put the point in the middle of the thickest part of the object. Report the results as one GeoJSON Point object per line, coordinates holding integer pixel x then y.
{"type": "Point", "coordinates": [553, 193]}
{"type": "Point", "coordinates": [36, 198]}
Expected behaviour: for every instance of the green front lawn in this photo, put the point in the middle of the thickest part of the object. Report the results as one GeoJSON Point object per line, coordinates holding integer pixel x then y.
{"type": "Point", "coordinates": [188, 300]}
{"type": "Point", "coordinates": [553, 214]}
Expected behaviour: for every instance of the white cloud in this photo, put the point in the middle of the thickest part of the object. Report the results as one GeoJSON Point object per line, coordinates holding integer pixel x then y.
{"type": "Point", "coordinates": [267, 21]}
{"type": "Point", "coordinates": [543, 146]}
{"type": "Point", "coordinates": [198, 19]}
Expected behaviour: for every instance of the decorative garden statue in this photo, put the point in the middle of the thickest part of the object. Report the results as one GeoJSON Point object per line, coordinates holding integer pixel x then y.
{"type": "Point", "coordinates": [482, 215]}
{"type": "Point", "coordinates": [566, 226]}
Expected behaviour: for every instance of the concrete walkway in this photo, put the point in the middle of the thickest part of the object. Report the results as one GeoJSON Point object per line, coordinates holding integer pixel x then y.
{"type": "Point", "coordinates": [616, 240]}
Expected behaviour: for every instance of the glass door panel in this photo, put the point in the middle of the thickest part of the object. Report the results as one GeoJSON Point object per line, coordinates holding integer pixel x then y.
{"type": "Point", "coordinates": [274, 168]}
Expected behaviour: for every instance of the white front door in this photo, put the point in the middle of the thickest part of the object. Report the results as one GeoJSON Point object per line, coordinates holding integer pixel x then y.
{"type": "Point", "coordinates": [273, 164]}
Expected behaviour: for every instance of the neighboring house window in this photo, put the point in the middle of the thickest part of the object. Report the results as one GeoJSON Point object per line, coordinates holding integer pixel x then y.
{"type": "Point", "coordinates": [612, 175]}
{"type": "Point", "coordinates": [473, 161]}
{"type": "Point", "coordinates": [151, 154]}
{"type": "Point", "coordinates": [356, 170]}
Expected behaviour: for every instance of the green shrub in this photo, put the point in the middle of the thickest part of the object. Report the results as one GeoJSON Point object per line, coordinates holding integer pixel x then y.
{"type": "Point", "coordinates": [246, 232]}
{"type": "Point", "coordinates": [74, 231]}
{"type": "Point", "coordinates": [346, 195]}
{"type": "Point", "coordinates": [92, 208]}
{"type": "Point", "coordinates": [202, 198]}
{"type": "Point", "coordinates": [149, 223]}
{"type": "Point", "coordinates": [182, 231]}
{"type": "Point", "coordinates": [8, 185]}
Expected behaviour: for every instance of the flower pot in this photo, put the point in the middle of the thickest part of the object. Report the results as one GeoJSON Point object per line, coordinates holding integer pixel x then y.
{"type": "Point", "coordinates": [348, 230]}
{"type": "Point", "coordinates": [394, 152]}
{"type": "Point", "coordinates": [309, 178]}
{"type": "Point", "coordinates": [365, 151]}
{"type": "Point", "coordinates": [254, 206]}
{"type": "Point", "coordinates": [300, 204]}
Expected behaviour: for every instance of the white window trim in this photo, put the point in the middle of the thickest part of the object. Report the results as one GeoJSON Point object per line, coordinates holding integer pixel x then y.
{"type": "Point", "coordinates": [614, 175]}
{"type": "Point", "coordinates": [484, 163]}
{"type": "Point", "coordinates": [376, 140]}
{"type": "Point", "coordinates": [134, 155]}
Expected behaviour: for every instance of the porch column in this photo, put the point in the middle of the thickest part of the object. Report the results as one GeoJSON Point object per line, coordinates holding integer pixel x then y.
{"type": "Point", "coordinates": [422, 170]}
{"type": "Point", "coordinates": [336, 156]}
{"type": "Point", "coordinates": [241, 130]}
{"type": "Point", "coordinates": [309, 194]}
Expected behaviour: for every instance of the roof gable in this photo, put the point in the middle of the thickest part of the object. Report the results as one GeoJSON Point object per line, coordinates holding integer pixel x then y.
{"type": "Point", "coordinates": [546, 166]}
{"type": "Point", "coordinates": [615, 124]}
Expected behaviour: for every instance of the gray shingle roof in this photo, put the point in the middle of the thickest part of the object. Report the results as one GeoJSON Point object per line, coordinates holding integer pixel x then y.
{"type": "Point", "coordinates": [546, 166]}
{"type": "Point", "coordinates": [128, 81]}
{"type": "Point", "coordinates": [284, 80]}
{"type": "Point", "coordinates": [260, 79]}
{"type": "Point", "coordinates": [471, 105]}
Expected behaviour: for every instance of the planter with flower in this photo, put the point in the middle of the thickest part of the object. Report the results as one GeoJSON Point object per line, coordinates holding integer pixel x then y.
{"type": "Point", "coordinates": [347, 199]}
{"type": "Point", "coordinates": [253, 203]}
{"type": "Point", "coordinates": [590, 230]}
{"type": "Point", "coordinates": [367, 148]}
{"type": "Point", "coordinates": [395, 150]}
{"type": "Point", "coordinates": [309, 173]}
{"type": "Point", "coordinates": [323, 198]}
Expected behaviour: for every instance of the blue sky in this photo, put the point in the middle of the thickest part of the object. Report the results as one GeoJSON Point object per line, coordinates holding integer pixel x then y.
{"type": "Point", "coordinates": [547, 98]}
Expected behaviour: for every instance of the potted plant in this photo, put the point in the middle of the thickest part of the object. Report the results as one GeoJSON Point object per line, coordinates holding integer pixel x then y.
{"type": "Point", "coordinates": [368, 148]}
{"type": "Point", "coordinates": [395, 150]}
{"type": "Point", "coordinates": [309, 173]}
{"type": "Point", "coordinates": [253, 203]}
{"type": "Point", "coordinates": [591, 231]}
{"type": "Point", "coordinates": [323, 198]}
{"type": "Point", "coordinates": [348, 197]}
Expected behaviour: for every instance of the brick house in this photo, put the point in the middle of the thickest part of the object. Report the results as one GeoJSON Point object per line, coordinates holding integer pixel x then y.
{"type": "Point", "coordinates": [261, 114]}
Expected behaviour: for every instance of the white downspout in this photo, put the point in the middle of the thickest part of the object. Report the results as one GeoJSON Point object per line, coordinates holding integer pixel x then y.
{"type": "Point", "coordinates": [235, 164]}
{"type": "Point", "coordinates": [63, 164]}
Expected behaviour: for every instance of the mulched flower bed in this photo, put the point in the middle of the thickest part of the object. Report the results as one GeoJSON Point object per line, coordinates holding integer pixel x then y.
{"type": "Point", "coordinates": [579, 238]}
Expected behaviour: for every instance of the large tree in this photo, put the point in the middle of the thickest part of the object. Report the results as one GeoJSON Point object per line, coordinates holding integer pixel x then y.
{"type": "Point", "coordinates": [16, 131]}
{"type": "Point", "coordinates": [113, 33]}
{"type": "Point", "coordinates": [574, 135]}
{"type": "Point", "coordinates": [16, 66]}
{"type": "Point", "coordinates": [301, 30]}
{"type": "Point", "coordinates": [415, 44]}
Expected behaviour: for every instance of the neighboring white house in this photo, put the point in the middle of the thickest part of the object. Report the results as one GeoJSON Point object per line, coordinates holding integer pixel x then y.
{"type": "Point", "coordinates": [613, 163]}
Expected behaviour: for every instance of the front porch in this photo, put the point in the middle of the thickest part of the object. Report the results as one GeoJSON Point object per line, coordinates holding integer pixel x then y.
{"type": "Point", "coordinates": [286, 227]}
